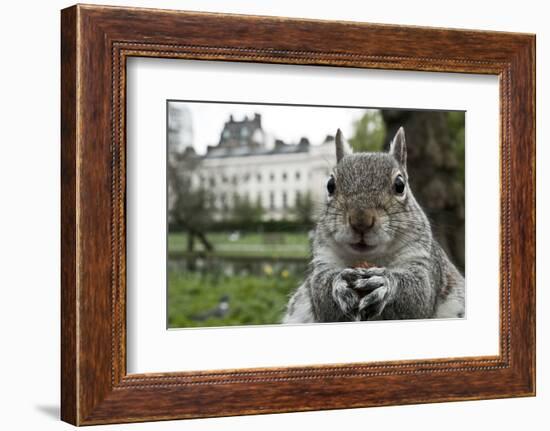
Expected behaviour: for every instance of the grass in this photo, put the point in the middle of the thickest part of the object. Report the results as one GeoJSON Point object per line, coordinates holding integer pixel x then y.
{"type": "Point", "coordinates": [256, 296]}
{"type": "Point", "coordinates": [280, 245]}
{"type": "Point", "coordinates": [253, 299]}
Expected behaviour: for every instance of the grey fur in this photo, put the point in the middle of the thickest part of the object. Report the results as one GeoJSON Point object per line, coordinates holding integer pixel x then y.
{"type": "Point", "coordinates": [412, 278]}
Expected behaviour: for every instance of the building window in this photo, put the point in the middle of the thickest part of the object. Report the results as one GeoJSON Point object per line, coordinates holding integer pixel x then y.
{"type": "Point", "coordinates": [285, 200]}
{"type": "Point", "coordinates": [259, 177]}
{"type": "Point", "coordinates": [298, 197]}
{"type": "Point", "coordinates": [272, 177]}
{"type": "Point", "coordinates": [234, 180]}
{"type": "Point", "coordinates": [284, 176]}
{"type": "Point", "coordinates": [298, 175]}
{"type": "Point", "coordinates": [272, 200]}
{"type": "Point", "coordinates": [212, 182]}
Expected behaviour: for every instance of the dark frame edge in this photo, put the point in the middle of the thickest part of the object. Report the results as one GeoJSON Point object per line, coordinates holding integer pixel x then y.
{"type": "Point", "coordinates": [528, 58]}
{"type": "Point", "coordinates": [69, 411]}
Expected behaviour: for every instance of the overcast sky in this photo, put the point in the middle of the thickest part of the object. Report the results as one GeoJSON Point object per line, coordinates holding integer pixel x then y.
{"type": "Point", "coordinates": [288, 123]}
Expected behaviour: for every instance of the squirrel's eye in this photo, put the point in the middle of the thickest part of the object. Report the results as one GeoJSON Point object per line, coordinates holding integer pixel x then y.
{"type": "Point", "coordinates": [331, 185]}
{"type": "Point", "coordinates": [399, 185]}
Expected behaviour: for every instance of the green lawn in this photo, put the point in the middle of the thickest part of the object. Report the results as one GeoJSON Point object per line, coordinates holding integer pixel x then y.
{"type": "Point", "coordinates": [269, 268]}
{"type": "Point", "coordinates": [253, 299]}
{"type": "Point", "coordinates": [279, 245]}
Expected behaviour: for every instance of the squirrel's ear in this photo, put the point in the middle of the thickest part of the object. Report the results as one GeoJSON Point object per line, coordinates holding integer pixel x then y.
{"type": "Point", "coordinates": [340, 150]}
{"type": "Point", "coordinates": [398, 147]}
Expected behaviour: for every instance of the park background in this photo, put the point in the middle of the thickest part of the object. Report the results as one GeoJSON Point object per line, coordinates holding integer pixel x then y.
{"type": "Point", "coordinates": [246, 182]}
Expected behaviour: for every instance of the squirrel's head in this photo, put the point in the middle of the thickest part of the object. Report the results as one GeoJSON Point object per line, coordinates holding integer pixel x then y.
{"type": "Point", "coordinates": [370, 209]}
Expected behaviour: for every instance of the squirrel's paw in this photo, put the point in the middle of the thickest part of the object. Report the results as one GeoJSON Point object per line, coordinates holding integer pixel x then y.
{"type": "Point", "coordinates": [378, 287]}
{"type": "Point", "coordinates": [366, 281]}
{"type": "Point", "coordinates": [345, 295]}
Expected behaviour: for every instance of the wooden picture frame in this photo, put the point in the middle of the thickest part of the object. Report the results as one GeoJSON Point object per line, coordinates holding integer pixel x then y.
{"type": "Point", "coordinates": [95, 43]}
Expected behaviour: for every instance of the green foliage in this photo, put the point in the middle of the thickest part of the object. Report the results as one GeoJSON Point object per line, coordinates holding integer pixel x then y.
{"type": "Point", "coordinates": [253, 300]}
{"type": "Point", "coordinates": [191, 209]}
{"type": "Point", "coordinates": [369, 132]}
{"type": "Point", "coordinates": [304, 208]}
{"type": "Point", "coordinates": [244, 211]}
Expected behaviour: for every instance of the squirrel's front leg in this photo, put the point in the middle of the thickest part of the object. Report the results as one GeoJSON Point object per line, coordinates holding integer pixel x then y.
{"type": "Point", "coordinates": [396, 294]}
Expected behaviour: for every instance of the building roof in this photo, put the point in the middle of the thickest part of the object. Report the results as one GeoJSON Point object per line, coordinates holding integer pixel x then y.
{"type": "Point", "coordinates": [243, 151]}
{"type": "Point", "coordinates": [241, 133]}
{"type": "Point", "coordinates": [247, 138]}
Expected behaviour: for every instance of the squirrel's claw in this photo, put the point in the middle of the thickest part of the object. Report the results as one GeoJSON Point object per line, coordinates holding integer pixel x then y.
{"type": "Point", "coordinates": [346, 298]}
{"type": "Point", "coordinates": [369, 284]}
{"type": "Point", "coordinates": [362, 292]}
{"type": "Point", "coordinates": [374, 303]}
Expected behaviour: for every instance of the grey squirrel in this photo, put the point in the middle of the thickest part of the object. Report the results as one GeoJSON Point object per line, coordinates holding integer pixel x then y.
{"type": "Point", "coordinates": [373, 253]}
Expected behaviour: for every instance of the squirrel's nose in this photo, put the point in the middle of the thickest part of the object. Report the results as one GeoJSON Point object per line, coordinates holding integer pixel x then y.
{"type": "Point", "coordinates": [361, 221]}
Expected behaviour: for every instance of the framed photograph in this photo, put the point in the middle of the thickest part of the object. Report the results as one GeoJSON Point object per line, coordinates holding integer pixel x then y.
{"type": "Point", "coordinates": [264, 215]}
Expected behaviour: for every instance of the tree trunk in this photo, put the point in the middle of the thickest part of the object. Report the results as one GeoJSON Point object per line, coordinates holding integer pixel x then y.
{"type": "Point", "coordinates": [202, 237]}
{"type": "Point", "coordinates": [190, 241]}
{"type": "Point", "coordinates": [432, 165]}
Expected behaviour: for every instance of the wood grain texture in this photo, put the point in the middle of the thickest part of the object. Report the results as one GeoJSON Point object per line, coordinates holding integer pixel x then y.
{"type": "Point", "coordinates": [96, 41]}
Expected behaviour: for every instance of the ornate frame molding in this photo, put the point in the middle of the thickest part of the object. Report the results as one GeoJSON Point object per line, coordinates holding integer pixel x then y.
{"type": "Point", "coordinates": [96, 41]}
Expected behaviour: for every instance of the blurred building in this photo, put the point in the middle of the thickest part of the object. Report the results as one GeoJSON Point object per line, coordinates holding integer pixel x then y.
{"type": "Point", "coordinates": [246, 133]}
{"type": "Point", "coordinates": [275, 175]}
